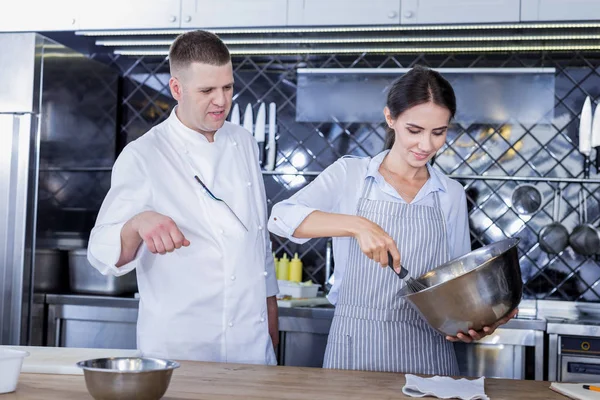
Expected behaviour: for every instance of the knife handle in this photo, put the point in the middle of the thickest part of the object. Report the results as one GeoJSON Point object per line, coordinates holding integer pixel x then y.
{"type": "Point", "coordinates": [586, 167]}
{"type": "Point", "coordinates": [261, 153]}
{"type": "Point", "coordinates": [598, 159]}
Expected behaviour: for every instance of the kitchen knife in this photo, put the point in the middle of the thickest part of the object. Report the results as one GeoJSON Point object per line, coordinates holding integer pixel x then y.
{"type": "Point", "coordinates": [235, 114]}
{"type": "Point", "coordinates": [248, 122]}
{"type": "Point", "coordinates": [585, 135]}
{"type": "Point", "coordinates": [271, 155]}
{"type": "Point", "coordinates": [259, 131]}
{"type": "Point", "coordinates": [596, 135]}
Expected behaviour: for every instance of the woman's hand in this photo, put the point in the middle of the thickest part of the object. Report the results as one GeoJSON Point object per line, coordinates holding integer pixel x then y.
{"type": "Point", "coordinates": [375, 242]}
{"type": "Point", "coordinates": [486, 331]}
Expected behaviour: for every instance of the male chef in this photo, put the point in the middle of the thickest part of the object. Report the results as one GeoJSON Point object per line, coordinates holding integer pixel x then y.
{"type": "Point", "coordinates": [187, 210]}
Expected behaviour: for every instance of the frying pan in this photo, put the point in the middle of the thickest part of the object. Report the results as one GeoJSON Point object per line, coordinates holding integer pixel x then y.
{"type": "Point", "coordinates": [554, 238]}
{"type": "Point", "coordinates": [584, 239]}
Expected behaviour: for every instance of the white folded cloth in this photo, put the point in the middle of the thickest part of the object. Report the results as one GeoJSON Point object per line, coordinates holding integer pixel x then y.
{"type": "Point", "coordinates": [444, 387]}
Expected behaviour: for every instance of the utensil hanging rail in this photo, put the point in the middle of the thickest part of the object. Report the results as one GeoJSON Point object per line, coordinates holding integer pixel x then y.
{"type": "Point", "coordinates": [526, 179]}
{"type": "Point", "coordinates": [472, 177]}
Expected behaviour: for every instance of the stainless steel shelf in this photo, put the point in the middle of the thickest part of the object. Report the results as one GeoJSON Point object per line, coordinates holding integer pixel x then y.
{"type": "Point", "coordinates": [469, 177]}
{"type": "Point", "coordinates": [525, 179]}
{"type": "Point", "coordinates": [300, 173]}
{"type": "Point", "coordinates": [75, 169]}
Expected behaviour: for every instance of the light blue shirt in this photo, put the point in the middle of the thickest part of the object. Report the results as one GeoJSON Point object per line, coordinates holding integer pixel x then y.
{"type": "Point", "coordinates": [338, 189]}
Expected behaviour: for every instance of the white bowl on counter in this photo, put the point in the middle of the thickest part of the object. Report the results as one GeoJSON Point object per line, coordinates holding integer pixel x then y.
{"type": "Point", "coordinates": [297, 290]}
{"type": "Point", "coordinates": [11, 362]}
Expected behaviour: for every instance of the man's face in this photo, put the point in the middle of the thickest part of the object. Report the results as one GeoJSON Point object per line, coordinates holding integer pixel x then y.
{"type": "Point", "coordinates": [204, 93]}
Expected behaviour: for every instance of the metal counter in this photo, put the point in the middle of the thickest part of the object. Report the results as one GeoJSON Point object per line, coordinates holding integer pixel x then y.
{"type": "Point", "coordinates": [499, 355]}
{"type": "Point", "coordinates": [91, 321]}
{"type": "Point", "coordinates": [99, 321]}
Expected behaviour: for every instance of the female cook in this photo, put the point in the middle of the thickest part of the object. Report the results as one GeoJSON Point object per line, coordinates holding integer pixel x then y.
{"type": "Point", "coordinates": [392, 202]}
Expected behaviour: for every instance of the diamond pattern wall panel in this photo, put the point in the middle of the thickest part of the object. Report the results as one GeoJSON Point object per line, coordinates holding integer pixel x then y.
{"type": "Point", "coordinates": [545, 149]}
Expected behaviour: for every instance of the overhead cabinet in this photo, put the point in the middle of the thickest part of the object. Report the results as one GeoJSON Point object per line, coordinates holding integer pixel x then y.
{"type": "Point", "coordinates": [560, 10]}
{"type": "Point", "coordinates": [459, 11]}
{"type": "Point", "coordinates": [343, 12]}
{"type": "Point", "coordinates": [233, 13]}
{"type": "Point", "coordinates": [130, 14]}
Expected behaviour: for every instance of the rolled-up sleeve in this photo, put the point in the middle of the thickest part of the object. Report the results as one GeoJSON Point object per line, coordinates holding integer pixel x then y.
{"type": "Point", "coordinates": [323, 194]}
{"type": "Point", "coordinates": [458, 221]}
{"type": "Point", "coordinates": [129, 195]}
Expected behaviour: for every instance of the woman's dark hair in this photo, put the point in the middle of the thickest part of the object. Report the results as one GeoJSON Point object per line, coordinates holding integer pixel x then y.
{"type": "Point", "coordinates": [418, 86]}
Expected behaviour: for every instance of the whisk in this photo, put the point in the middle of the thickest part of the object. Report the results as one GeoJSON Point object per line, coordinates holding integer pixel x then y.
{"type": "Point", "coordinates": [413, 285]}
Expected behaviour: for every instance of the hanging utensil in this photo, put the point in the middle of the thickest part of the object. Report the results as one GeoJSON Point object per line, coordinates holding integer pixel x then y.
{"type": "Point", "coordinates": [271, 148]}
{"type": "Point", "coordinates": [554, 238]}
{"type": "Point", "coordinates": [413, 285]}
{"type": "Point", "coordinates": [248, 121]}
{"type": "Point", "coordinates": [259, 132]}
{"type": "Point", "coordinates": [596, 135]}
{"type": "Point", "coordinates": [584, 239]}
{"type": "Point", "coordinates": [585, 135]}
{"type": "Point", "coordinates": [527, 199]}
{"type": "Point", "coordinates": [235, 114]}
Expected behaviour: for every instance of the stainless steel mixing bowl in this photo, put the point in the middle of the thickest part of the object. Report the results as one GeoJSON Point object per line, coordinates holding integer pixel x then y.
{"type": "Point", "coordinates": [127, 377]}
{"type": "Point", "coordinates": [472, 291]}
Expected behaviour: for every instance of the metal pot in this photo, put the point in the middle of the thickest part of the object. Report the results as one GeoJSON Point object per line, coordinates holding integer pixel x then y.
{"type": "Point", "coordinates": [84, 278]}
{"type": "Point", "coordinates": [51, 274]}
{"type": "Point", "coordinates": [472, 291]}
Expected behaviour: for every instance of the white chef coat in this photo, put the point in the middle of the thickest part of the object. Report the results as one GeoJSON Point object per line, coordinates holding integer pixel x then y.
{"type": "Point", "coordinates": [207, 301]}
{"type": "Point", "coordinates": [337, 190]}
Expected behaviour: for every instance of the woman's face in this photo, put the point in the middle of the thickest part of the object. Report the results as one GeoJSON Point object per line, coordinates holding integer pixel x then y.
{"type": "Point", "coordinates": [420, 132]}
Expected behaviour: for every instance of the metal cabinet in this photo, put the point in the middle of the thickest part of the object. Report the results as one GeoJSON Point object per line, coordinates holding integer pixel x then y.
{"type": "Point", "coordinates": [459, 11]}
{"type": "Point", "coordinates": [303, 336]}
{"type": "Point", "coordinates": [91, 322]}
{"type": "Point", "coordinates": [560, 10]}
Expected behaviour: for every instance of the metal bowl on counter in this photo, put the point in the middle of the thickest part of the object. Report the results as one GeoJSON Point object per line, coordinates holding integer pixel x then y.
{"type": "Point", "coordinates": [134, 378]}
{"type": "Point", "coordinates": [472, 291]}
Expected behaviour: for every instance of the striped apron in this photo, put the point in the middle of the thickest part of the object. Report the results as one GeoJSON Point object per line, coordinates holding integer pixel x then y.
{"type": "Point", "coordinates": [373, 329]}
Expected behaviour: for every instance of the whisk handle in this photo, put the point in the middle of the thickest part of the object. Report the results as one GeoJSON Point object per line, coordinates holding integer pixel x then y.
{"type": "Point", "coordinates": [403, 271]}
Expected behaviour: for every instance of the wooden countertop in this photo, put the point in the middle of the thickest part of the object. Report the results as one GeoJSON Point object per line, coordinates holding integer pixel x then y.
{"type": "Point", "coordinates": [201, 380]}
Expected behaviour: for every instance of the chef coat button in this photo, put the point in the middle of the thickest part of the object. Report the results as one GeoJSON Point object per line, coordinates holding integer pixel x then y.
{"type": "Point", "coordinates": [230, 324]}
{"type": "Point", "coordinates": [262, 320]}
{"type": "Point", "coordinates": [235, 143]}
{"type": "Point", "coordinates": [260, 228]}
{"type": "Point", "coordinates": [265, 273]}
{"type": "Point", "coordinates": [221, 231]}
{"type": "Point", "coordinates": [249, 184]}
{"type": "Point", "coordinates": [233, 277]}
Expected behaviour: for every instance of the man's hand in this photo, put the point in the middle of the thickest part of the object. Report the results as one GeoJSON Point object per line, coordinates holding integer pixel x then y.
{"type": "Point", "coordinates": [159, 232]}
{"type": "Point", "coordinates": [273, 318]}
{"type": "Point", "coordinates": [486, 331]}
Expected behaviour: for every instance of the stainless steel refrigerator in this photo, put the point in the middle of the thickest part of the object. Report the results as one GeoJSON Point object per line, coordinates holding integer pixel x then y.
{"type": "Point", "coordinates": [57, 126]}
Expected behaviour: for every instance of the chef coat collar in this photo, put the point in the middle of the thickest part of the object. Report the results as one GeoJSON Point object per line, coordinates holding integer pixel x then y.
{"type": "Point", "coordinates": [189, 135]}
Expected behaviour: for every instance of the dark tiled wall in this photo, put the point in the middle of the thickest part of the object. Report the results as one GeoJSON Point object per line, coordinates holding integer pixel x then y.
{"type": "Point", "coordinates": [515, 149]}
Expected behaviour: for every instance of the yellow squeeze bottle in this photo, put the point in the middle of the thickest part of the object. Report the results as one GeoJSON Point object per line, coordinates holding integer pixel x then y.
{"type": "Point", "coordinates": [296, 269]}
{"type": "Point", "coordinates": [276, 264]}
{"type": "Point", "coordinates": [283, 271]}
